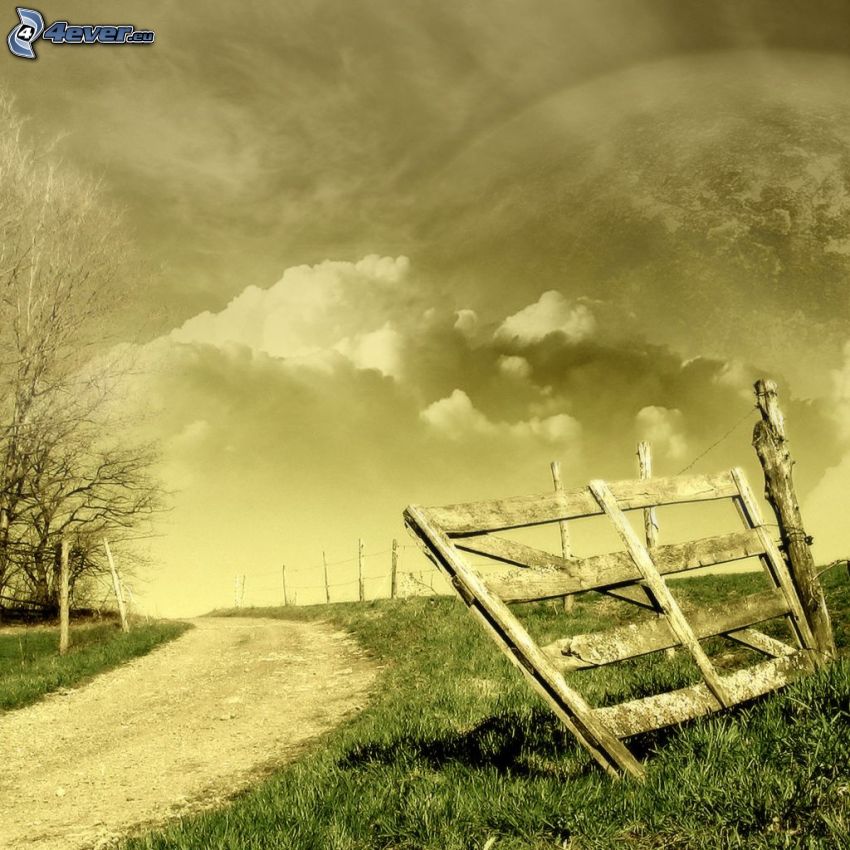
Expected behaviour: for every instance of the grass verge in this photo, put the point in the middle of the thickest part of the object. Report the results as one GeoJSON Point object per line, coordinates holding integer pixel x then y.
{"type": "Point", "coordinates": [31, 667]}
{"type": "Point", "coordinates": [454, 752]}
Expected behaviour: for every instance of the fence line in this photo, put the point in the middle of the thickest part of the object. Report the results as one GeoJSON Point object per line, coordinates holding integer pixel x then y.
{"type": "Point", "coordinates": [287, 587]}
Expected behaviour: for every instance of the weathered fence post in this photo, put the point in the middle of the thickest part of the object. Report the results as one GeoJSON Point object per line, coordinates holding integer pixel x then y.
{"type": "Point", "coordinates": [327, 586]}
{"type": "Point", "coordinates": [116, 586]}
{"type": "Point", "coordinates": [650, 518]}
{"type": "Point", "coordinates": [64, 612]}
{"type": "Point", "coordinates": [361, 557]}
{"type": "Point", "coordinates": [238, 590]}
{"type": "Point", "coordinates": [650, 515]}
{"type": "Point", "coordinates": [283, 575]}
{"type": "Point", "coordinates": [566, 546]}
{"type": "Point", "coordinates": [771, 445]}
{"type": "Point", "coordinates": [394, 571]}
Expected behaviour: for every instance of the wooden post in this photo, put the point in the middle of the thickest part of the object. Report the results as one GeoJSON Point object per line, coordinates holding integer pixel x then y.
{"type": "Point", "coordinates": [650, 518]}
{"type": "Point", "coordinates": [283, 574]}
{"type": "Point", "coordinates": [133, 607]}
{"type": "Point", "coordinates": [116, 585]}
{"type": "Point", "coordinates": [566, 545]}
{"type": "Point", "coordinates": [361, 557]}
{"type": "Point", "coordinates": [394, 571]}
{"type": "Point", "coordinates": [64, 613]}
{"type": "Point", "coordinates": [771, 446]}
{"type": "Point", "coordinates": [327, 586]}
{"type": "Point", "coordinates": [238, 590]}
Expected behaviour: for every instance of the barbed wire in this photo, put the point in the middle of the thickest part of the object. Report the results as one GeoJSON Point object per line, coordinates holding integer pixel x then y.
{"type": "Point", "coordinates": [716, 443]}
{"type": "Point", "coordinates": [840, 562]}
{"type": "Point", "coordinates": [322, 564]}
{"type": "Point", "coordinates": [291, 586]}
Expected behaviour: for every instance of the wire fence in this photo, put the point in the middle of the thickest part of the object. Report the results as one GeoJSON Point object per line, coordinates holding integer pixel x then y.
{"type": "Point", "coordinates": [321, 582]}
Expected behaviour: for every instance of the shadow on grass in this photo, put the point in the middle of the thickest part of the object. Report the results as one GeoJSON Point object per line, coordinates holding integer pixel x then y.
{"type": "Point", "coordinates": [531, 744]}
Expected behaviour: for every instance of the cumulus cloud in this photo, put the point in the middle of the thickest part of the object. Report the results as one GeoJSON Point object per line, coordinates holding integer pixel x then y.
{"type": "Point", "coordinates": [737, 375]}
{"type": "Point", "coordinates": [310, 311]}
{"type": "Point", "coordinates": [466, 322]}
{"type": "Point", "coordinates": [560, 428]}
{"type": "Point", "coordinates": [551, 313]}
{"type": "Point", "coordinates": [380, 349]}
{"type": "Point", "coordinates": [457, 418]}
{"type": "Point", "coordinates": [514, 367]}
{"type": "Point", "coordinates": [663, 428]}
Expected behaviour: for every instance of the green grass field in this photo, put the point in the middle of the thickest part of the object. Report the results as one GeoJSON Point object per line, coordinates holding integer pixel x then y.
{"type": "Point", "coordinates": [455, 752]}
{"type": "Point", "coordinates": [31, 667]}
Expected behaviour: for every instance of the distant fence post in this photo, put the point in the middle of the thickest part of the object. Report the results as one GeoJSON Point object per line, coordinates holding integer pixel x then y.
{"type": "Point", "coordinates": [650, 517]}
{"type": "Point", "coordinates": [64, 613]}
{"type": "Point", "coordinates": [566, 546]}
{"type": "Point", "coordinates": [771, 446]}
{"type": "Point", "coordinates": [327, 586]}
{"type": "Point", "coordinates": [283, 576]}
{"type": "Point", "coordinates": [394, 571]}
{"type": "Point", "coordinates": [238, 590]}
{"type": "Point", "coordinates": [116, 585]}
{"type": "Point", "coordinates": [361, 557]}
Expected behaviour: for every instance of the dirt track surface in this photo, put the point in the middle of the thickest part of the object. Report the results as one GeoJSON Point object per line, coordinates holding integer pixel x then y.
{"type": "Point", "coordinates": [179, 729]}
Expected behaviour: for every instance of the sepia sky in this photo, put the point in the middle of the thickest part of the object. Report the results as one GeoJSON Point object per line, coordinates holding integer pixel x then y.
{"type": "Point", "coordinates": [411, 251]}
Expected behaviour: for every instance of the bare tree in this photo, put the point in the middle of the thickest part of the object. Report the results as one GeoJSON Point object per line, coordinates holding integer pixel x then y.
{"type": "Point", "coordinates": [68, 467]}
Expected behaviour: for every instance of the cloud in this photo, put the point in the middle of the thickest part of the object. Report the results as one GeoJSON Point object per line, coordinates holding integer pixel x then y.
{"type": "Point", "coordinates": [457, 418]}
{"type": "Point", "coordinates": [560, 428]}
{"type": "Point", "coordinates": [514, 367]}
{"type": "Point", "coordinates": [467, 322]}
{"type": "Point", "coordinates": [311, 311]}
{"type": "Point", "coordinates": [380, 349]}
{"type": "Point", "coordinates": [825, 508]}
{"type": "Point", "coordinates": [193, 432]}
{"type": "Point", "coordinates": [825, 513]}
{"type": "Point", "coordinates": [662, 428]}
{"type": "Point", "coordinates": [739, 376]}
{"type": "Point", "coordinates": [341, 392]}
{"type": "Point", "coordinates": [841, 394]}
{"type": "Point", "coordinates": [551, 313]}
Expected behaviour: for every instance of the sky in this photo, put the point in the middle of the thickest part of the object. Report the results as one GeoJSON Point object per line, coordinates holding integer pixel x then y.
{"type": "Point", "coordinates": [410, 252]}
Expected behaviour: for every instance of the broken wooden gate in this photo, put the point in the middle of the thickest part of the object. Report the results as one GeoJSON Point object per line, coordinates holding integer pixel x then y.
{"type": "Point", "coordinates": [450, 535]}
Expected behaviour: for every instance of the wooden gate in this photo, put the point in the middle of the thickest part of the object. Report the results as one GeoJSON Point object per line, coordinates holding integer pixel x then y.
{"type": "Point", "coordinates": [451, 535]}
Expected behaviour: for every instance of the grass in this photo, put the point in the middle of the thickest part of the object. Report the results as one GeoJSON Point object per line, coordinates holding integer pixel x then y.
{"type": "Point", "coordinates": [31, 667]}
{"type": "Point", "coordinates": [454, 752]}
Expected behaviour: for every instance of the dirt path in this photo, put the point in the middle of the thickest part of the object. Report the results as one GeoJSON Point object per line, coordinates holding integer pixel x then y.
{"type": "Point", "coordinates": [181, 728]}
